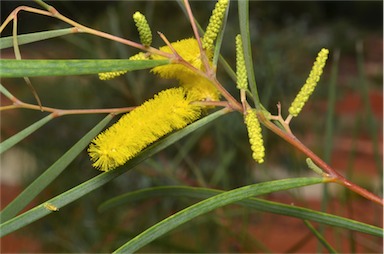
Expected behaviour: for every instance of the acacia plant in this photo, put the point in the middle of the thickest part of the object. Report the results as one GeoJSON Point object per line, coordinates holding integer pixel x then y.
{"type": "Point", "coordinates": [197, 97]}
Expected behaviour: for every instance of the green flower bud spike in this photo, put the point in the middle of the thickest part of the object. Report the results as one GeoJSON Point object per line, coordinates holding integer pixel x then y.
{"type": "Point", "coordinates": [143, 28]}
{"type": "Point", "coordinates": [310, 84]}
{"type": "Point", "coordinates": [114, 74]}
{"type": "Point", "coordinates": [241, 71]}
{"type": "Point", "coordinates": [214, 24]}
{"type": "Point", "coordinates": [255, 137]}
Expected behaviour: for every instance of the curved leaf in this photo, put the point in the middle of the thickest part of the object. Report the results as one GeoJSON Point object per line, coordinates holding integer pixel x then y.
{"type": "Point", "coordinates": [254, 203]}
{"type": "Point", "coordinates": [210, 204]}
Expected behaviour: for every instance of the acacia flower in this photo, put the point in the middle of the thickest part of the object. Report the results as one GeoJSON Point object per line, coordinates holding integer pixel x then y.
{"type": "Point", "coordinates": [189, 50]}
{"type": "Point", "coordinates": [310, 84]}
{"type": "Point", "coordinates": [143, 28]}
{"type": "Point", "coordinates": [214, 24]}
{"type": "Point", "coordinates": [255, 137]}
{"type": "Point", "coordinates": [201, 89]}
{"type": "Point", "coordinates": [241, 71]}
{"type": "Point", "coordinates": [114, 74]}
{"type": "Point", "coordinates": [169, 110]}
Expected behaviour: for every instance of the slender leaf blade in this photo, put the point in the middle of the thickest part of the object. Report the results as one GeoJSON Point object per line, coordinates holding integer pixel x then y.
{"type": "Point", "coordinates": [210, 204]}
{"type": "Point", "coordinates": [101, 179]}
{"type": "Point", "coordinates": [7, 42]}
{"type": "Point", "coordinates": [7, 93]}
{"type": "Point", "coordinates": [51, 173]}
{"type": "Point", "coordinates": [10, 142]}
{"type": "Point", "coordinates": [254, 203]}
{"type": "Point", "coordinates": [320, 237]}
{"type": "Point", "coordinates": [243, 7]}
{"type": "Point", "coordinates": [12, 68]}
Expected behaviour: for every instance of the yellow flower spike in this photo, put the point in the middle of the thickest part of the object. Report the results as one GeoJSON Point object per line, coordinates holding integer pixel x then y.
{"type": "Point", "coordinates": [114, 74]}
{"type": "Point", "coordinates": [310, 84]}
{"type": "Point", "coordinates": [255, 137]}
{"type": "Point", "coordinates": [214, 24]}
{"type": "Point", "coordinates": [189, 50]}
{"type": "Point", "coordinates": [167, 111]}
{"type": "Point", "coordinates": [200, 89]}
{"type": "Point", "coordinates": [241, 71]}
{"type": "Point", "coordinates": [143, 28]}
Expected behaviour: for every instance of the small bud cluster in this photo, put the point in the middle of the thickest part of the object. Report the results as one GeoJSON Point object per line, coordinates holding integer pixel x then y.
{"type": "Point", "coordinates": [310, 84]}
{"type": "Point", "coordinates": [114, 74]}
{"type": "Point", "coordinates": [111, 74]}
{"type": "Point", "coordinates": [241, 71]}
{"type": "Point", "coordinates": [214, 24]}
{"type": "Point", "coordinates": [255, 136]}
{"type": "Point", "coordinates": [143, 28]}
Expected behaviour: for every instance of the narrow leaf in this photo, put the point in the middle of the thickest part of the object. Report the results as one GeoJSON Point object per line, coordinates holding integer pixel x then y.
{"type": "Point", "coordinates": [331, 102]}
{"type": "Point", "coordinates": [243, 7]}
{"type": "Point", "coordinates": [12, 68]}
{"type": "Point", "coordinates": [320, 237]}
{"type": "Point", "coordinates": [7, 42]}
{"type": "Point", "coordinates": [101, 179]}
{"type": "Point", "coordinates": [51, 173]}
{"type": "Point", "coordinates": [254, 203]}
{"type": "Point", "coordinates": [7, 93]}
{"type": "Point", "coordinates": [370, 122]}
{"type": "Point", "coordinates": [8, 143]}
{"type": "Point", "coordinates": [210, 204]}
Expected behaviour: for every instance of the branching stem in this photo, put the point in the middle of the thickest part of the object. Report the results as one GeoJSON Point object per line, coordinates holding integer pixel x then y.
{"type": "Point", "coordinates": [17, 104]}
{"type": "Point", "coordinates": [332, 174]}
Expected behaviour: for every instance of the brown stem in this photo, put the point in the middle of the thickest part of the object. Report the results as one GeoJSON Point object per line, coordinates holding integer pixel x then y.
{"type": "Point", "coordinates": [52, 12]}
{"type": "Point", "coordinates": [20, 8]}
{"type": "Point", "coordinates": [61, 112]}
{"type": "Point", "coordinates": [210, 73]}
{"type": "Point", "coordinates": [203, 56]}
{"type": "Point", "coordinates": [233, 103]}
{"type": "Point", "coordinates": [224, 104]}
{"type": "Point", "coordinates": [332, 175]}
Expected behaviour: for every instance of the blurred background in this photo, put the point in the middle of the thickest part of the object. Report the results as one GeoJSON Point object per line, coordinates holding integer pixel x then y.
{"type": "Point", "coordinates": [286, 37]}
